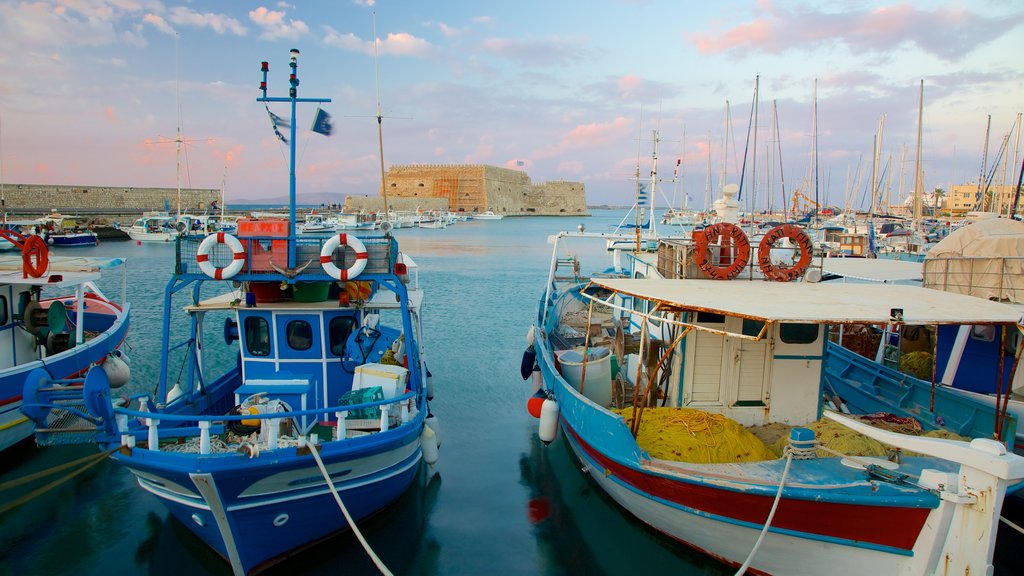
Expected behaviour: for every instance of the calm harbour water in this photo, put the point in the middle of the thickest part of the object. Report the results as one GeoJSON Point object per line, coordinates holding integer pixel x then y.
{"type": "Point", "coordinates": [497, 502]}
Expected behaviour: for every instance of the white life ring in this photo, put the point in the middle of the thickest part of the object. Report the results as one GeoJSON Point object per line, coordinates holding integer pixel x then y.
{"type": "Point", "coordinates": [327, 254]}
{"type": "Point", "coordinates": [203, 256]}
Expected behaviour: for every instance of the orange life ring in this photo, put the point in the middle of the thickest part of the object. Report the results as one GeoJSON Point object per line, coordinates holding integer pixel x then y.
{"type": "Point", "coordinates": [34, 247]}
{"type": "Point", "coordinates": [784, 273]}
{"type": "Point", "coordinates": [711, 235]}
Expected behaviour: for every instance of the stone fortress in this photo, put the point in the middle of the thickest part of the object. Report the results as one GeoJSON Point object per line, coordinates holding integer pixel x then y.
{"type": "Point", "coordinates": [473, 188]}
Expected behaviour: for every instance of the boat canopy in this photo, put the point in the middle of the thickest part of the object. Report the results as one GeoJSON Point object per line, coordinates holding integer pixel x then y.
{"type": "Point", "coordinates": [64, 263]}
{"type": "Point", "coordinates": [873, 269]}
{"type": "Point", "coordinates": [824, 303]}
{"type": "Point", "coordinates": [383, 299]}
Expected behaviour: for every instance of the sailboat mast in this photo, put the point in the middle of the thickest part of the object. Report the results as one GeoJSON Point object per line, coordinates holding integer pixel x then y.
{"type": "Point", "coordinates": [918, 184]}
{"type": "Point", "coordinates": [707, 180]}
{"type": "Point", "coordinates": [725, 149]}
{"type": "Point", "coordinates": [654, 186]}
{"type": "Point", "coordinates": [177, 100]}
{"type": "Point", "coordinates": [984, 164]}
{"type": "Point", "coordinates": [814, 150]}
{"type": "Point", "coordinates": [753, 164]}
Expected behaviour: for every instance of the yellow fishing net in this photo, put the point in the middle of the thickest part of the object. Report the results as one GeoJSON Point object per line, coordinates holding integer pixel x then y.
{"type": "Point", "coordinates": [686, 435]}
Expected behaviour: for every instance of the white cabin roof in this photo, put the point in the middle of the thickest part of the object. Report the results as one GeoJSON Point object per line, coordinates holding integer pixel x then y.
{"type": "Point", "coordinates": [873, 269]}
{"type": "Point", "coordinates": [824, 303]}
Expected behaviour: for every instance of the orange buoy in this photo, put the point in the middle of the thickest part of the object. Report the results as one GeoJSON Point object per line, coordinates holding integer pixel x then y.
{"type": "Point", "coordinates": [778, 273]}
{"type": "Point", "coordinates": [711, 235]}
{"type": "Point", "coordinates": [35, 257]}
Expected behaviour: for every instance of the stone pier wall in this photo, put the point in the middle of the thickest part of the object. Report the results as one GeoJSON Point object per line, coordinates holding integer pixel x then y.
{"type": "Point", "coordinates": [35, 198]}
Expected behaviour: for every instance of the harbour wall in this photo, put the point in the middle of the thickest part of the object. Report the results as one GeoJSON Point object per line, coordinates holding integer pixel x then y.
{"type": "Point", "coordinates": [40, 199]}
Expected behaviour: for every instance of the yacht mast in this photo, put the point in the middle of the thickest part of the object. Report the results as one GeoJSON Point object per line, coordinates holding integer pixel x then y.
{"type": "Point", "coordinates": [918, 184]}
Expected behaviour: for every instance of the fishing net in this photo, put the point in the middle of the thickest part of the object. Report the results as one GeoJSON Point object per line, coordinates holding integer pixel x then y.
{"type": "Point", "coordinates": [686, 435]}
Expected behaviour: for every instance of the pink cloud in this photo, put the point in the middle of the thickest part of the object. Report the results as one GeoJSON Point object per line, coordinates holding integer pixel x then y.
{"type": "Point", "coordinates": [275, 26]}
{"type": "Point", "coordinates": [947, 33]}
{"type": "Point", "coordinates": [110, 115]}
{"type": "Point", "coordinates": [397, 43]}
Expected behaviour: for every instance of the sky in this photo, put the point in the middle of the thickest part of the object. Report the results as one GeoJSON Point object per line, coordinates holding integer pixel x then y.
{"type": "Point", "coordinates": [92, 93]}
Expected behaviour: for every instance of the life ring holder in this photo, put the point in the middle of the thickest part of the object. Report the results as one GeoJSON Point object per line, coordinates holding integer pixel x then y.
{"type": "Point", "coordinates": [327, 257]}
{"type": "Point", "coordinates": [237, 259]}
{"type": "Point", "coordinates": [711, 235]}
{"type": "Point", "coordinates": [34, 247]}
{"type": "Point", "coordinates": [784, 273]}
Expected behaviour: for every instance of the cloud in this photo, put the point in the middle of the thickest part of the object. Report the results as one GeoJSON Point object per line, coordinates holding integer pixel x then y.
{"type": "Point", "coordinates": [396, 43]}
{"type": "Point", "coordinates": [219, 23]}
{"type": "Point", "coordinates": [159, 23]}
{"type": "Point", "coordinates": [551, 51]}
{"type": "Point", "coordinates": [275, 26]}
{"type": "Point", "coordinates": [947, 33]}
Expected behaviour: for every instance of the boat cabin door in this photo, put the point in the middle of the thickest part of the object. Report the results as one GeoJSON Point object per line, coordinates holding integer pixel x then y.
{"type": "Point", "coordinates": [725, 371]}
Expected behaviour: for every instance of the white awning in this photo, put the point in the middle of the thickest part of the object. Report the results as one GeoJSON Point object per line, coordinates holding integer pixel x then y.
{"type": "Point", "coordinates": [823, 303]}
{"type": "Point", "coordinates": [873, 269]}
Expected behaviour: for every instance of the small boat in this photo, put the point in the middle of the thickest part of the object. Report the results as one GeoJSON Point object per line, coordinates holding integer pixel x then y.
{"type": "Point", "coordinates": [154, 227]}
{"type": "Point", "coordinates": [488, 215]}
{"type": "Point", "coordinates": [316, 223]}
{"type": "Point", "coordinates": [354, 221]}
{"type": "Point", "coordinates": [702, 407]}
{"type": "Point", "coordinates": [56, 321]}
{"type": "Point", "coordinates": [59, 230]}
{"type": "Point", "coordinates": [306, 413]}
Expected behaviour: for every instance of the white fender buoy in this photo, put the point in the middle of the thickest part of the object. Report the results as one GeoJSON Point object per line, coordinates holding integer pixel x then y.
{"type": "Point", "coordinates": [118, 371]}
{"type": "Point", "coordinates": [538, 381]}
{"type": "Point", "coordinates": [430, 385]}
{"type": "Point", "coordinates": [435, 426]}
{"type": "Point", "coordinates": [548, 420]}
{"type": "Point", "coordinates": [428, 443]}
{"type": "Point", "coordinates": [530, 336]}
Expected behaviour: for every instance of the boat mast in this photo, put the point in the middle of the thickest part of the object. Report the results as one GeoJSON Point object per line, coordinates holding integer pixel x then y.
{"type": "Point", "coordinates": [918, 184]}
{"type": "Point", "coordinates": [653, 231]}
{"type": "Point", "coordinates": [753, 163]}
{"type": "Point", "coordinates": [293, 99]}
{"type": "Point", "coordinates": [177, 103]}
{"type": "Point", "coordinates": [984, 164]}
{"type": "Point", "coordinates": [380, 130]}
{"type": "Point", "coordinates": [707, 180]}
{"type": "Point", "coordinates": [813, 180]}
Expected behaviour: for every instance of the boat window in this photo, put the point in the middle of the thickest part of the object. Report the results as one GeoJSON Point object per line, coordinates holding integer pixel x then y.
{"type": "Point", "coordinates": [300, 334]}
{"type": "Point", "coordinates": [257, 336]}
{"type": "Point", "coordinates": [798, 333]}
{"type": "Point", "coordinates": [4, 314]}
{"type": "Point", "coordinates": [709, 318]}
{"type": "Point", "coordinates": [339, 330]}
{"type": "Point", "coordinates": [984, 333]}
{"type": "Point", "coordinates": [752, 327]}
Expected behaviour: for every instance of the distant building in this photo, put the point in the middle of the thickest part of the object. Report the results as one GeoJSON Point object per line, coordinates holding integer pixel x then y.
{"type": "Point", "coordinates": [963, 198]}
{"type": "Point", "coordinates": [475, 188]}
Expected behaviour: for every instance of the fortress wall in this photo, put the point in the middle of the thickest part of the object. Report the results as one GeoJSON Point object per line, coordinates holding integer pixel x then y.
{"type": "Point", "coordinates": [41, 198]}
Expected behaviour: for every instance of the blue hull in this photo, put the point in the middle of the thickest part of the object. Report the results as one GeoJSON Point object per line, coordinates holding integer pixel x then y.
{"type": "Point", "coordinates": [76, 240]}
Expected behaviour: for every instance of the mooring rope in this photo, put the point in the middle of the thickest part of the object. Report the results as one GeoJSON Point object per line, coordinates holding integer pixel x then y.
{"type": "Point", "coordinates": [771, 515]}
{"type": "Point", "coordinates": [355, 530]}
{"type": "Point", "coordinates": [89, 461]}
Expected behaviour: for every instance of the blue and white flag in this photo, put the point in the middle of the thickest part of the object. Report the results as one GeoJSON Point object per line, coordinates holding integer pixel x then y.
{"type": "Point", "coordinates": [278, 122]}
{"type": "Point", "coordinates": [322, 123]}
{"type": "Point", "coordinates": [641, 195]}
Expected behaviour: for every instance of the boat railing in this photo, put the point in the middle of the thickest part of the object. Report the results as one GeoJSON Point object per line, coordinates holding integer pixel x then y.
{"type": "Point", "coordinates": [996, 277]}
{"type": "Point", "coordinates": [266, 257]}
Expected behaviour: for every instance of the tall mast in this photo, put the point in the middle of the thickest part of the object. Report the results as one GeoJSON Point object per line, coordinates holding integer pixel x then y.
{"type": "Point", "coordinates": [707, 179]}
{"type": "Point", "coordinates": [654, 185]}
{"type": "Point", "coordinates": [918, 184]}
{"type": "Point", "coordinates": [293, 99]}
{"type": "Point", "coordinates": [177, 101]}
{"type": "Point", "coordinates": [984, 164]}
{"type": "Point", "coordinates": [725, 150]}
{"type": "Point", "coordinates": [771, 160]}
{"type": "Point", "coordinates": [813, 181]}
{"type": "Point", "coordinates": [380, 130]}
{"type": "Point", "coordinates": [753, 165]}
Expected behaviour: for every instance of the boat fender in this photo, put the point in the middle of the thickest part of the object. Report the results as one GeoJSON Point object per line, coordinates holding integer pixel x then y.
{"type": "Point", "coordinates": [784, 273]}
{"type": "Point", "coordinates": [118, 371]}
{"type": "Point", "coordinates": [528, 362]}
{"type": "Point", "coordinates": [434, 425]}
{"type": "Point", "coordinates": [428, 443]}
{"type": "Point", "coordinates": [531, 335]}
{"type": "Point", "coordinates": [710, 235]}
{"type": "Point", "coordinates": [535, 402]}
{"type": "Point", "coordinates": [237, 258]}
{"type": "Point", "coordinates": [430, 384]}
{"type": "Point", "coordinates": [548, 421]}
{"type": "Point", "coordinates": [538, 380]}
{"type": "Point", "coordinates": [327, 257]}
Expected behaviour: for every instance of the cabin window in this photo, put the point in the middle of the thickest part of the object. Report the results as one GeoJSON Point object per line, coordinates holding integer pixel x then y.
{"type": "Point", "coordinates": [798, 333]}
{"type": "Point", "coordinates": [983, 333]}
{"type": "Point", "coordinates": [752, 327]}
{"type": "Point", "coordinates": [339, 330]}
{"type": "Point", "coordinates": [710, 318]}
{"type": "Point", "coordinates": [299, 334]}
{"type": "Point", "coordinates": [257, 336]}
{"type": "Point", "coordinates": [4, 314]}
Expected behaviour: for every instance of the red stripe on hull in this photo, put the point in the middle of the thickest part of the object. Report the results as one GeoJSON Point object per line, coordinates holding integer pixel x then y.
{"type": "Point", "coordinates": [896, 527]}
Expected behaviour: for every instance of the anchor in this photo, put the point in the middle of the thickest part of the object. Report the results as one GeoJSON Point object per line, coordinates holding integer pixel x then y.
{"type": "Point", "coordinates": [290, 272]}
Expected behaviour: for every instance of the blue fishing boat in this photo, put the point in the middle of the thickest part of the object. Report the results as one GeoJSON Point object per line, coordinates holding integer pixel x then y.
{"type": "Point", "coordinates": [54, 318]}
{"type": "Point", "coordinates": [295, 403]}
{"type": "Point", "coordinates": [667, 386]}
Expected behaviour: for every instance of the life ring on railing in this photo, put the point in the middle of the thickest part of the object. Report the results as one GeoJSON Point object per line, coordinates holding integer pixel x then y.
{"type": "Point", "coordinates": [237, 259]}
{"type": "Point", "coordinates": [327, 257]}
{"type": "Point", "coordinates": [711, 235]}
{"type": "Point", "coordinates": [34, 248]}
{"type": "Point", "coordinates": [764, 253]}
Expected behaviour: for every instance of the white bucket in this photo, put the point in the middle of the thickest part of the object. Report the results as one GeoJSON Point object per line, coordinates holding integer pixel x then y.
{"type": "Point", "coordinates": [598, 383]}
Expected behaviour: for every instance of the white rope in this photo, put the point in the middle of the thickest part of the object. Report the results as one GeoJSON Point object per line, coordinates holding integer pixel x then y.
{"type": "Point", "coordinates": [771, 515]}
{"type": "Point", "coordinates": [355, 530]}
{"type": "Point", "coordinates": [1011, 524]}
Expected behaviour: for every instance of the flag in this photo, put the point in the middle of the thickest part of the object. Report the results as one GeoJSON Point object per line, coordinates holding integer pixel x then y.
{"type": "Point", "coordinates": [520, 163]}
{"type": "Point", "coordinates": [322, 123]}
{"type": "Point", "coordinates": [641, 195]}
{"type": "Point", "coordinates": [276, 121]}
